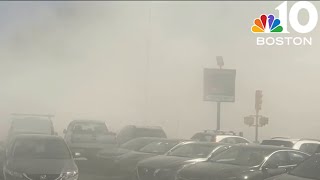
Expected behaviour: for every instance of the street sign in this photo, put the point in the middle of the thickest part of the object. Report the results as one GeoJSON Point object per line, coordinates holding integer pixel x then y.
{"type": "Point", "coordinates": [219, 85]}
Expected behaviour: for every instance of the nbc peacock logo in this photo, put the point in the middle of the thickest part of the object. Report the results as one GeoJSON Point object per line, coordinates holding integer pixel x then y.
{"type": "Point", "coordinates": [267, 24]}
{"type": "Point", "coordinates": [269, 27]}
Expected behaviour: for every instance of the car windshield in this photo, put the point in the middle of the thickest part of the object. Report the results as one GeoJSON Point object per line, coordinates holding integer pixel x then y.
{"type": "Point", "coordinates": [136, 144]}
{"type": "Point", "coordinates": [159, 147]}
{"type": "Point", "coordinates": [193, 150]}
{"type": "Point", "coordinates": [40, 149]}
{"type": "Point", "coordinates": [90, 128]}
{"type": "Point", "coordinates": [34, 125]}
{"type": "Point", "coordinates": [242, 156]}
{"type": "Point", "coordinates": [309, 169]}
{"type": "Point", "coordinates": [277, 143]}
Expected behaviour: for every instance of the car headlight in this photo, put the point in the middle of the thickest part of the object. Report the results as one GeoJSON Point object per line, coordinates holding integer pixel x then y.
{"type": "Point", "coordinates": [13, 173]}
{"type": "Point", "coordinates": [70, 175]}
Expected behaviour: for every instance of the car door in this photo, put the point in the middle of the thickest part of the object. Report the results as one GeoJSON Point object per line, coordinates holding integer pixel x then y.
{"type": "Point", "coordinates": [278, 163]}
{"type": "Point", "coordinates": [296, 158]}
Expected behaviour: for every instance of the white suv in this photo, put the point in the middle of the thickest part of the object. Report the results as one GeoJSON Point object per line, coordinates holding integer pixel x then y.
{"type": "Point", "coordinates": [306, 145]}
{"type": "Point", "coordinates": [228, 137]}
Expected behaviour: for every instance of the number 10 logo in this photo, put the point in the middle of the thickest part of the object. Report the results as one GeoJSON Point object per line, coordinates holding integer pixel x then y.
{"type": "Point", "coordinates": [293, 16]}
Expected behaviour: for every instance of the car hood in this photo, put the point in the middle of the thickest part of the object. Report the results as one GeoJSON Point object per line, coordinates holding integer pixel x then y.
{"type": "Point", "coordinates": [211, 171]}
{"type": "Point", "coordinates": [93, 138]}
{"type": "Point", "coordinates": [134, 157]}
{"type": "Point", "coordinates": [287, 177]}
{"type": "Point", "coordinates": [160, 162]}
{"type": "Point", "coordinates": [42, 166]}
{"type": "Point", "coordinates": [112, 152]}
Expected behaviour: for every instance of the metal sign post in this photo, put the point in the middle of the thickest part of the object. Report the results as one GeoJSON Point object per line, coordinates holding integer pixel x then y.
{"type": "Point", "coordinates": [219, 86]}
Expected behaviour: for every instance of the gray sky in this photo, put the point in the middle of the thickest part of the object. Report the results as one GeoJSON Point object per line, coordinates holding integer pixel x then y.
{"type": "Point", "coordinates": [142, 62]}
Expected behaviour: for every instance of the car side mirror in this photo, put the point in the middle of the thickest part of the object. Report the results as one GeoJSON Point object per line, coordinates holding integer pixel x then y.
{"type": "Point", "coordinates": [77, 155]}
{"type": "Point", "coordinates": [64, 131]}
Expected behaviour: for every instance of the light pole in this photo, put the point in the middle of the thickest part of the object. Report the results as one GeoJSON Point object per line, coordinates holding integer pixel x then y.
{"type": "Point", "coordinates": [220, 64]}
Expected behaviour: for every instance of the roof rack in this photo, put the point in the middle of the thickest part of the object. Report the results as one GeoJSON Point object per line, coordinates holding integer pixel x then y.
{"type": "Point", "coordinates": [280, 138]}
{"type": "Point", "coordinates": [36, 115]}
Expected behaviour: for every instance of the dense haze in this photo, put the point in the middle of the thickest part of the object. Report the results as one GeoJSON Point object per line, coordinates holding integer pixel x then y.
{"type": "Point", "coordinates": [142, 63]}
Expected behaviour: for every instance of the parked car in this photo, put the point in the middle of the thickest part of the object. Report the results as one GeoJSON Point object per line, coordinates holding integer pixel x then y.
{"type": "Point", "coordinates": [132, 145]}
{"type": "Point", "coordinates": [131, 132]}
{"type": "Point", "coordinates": [39, 157]}
{"type": "Point", "coordinates": [309, 146]}
{"type": "Point", "coordinates": [126, 164]}
{"type": "Point", "coordinates": [105, 161]}
{"type": "Point", "coordinates": [2, 157]}
{"type": "Point", "coordinates": [165, 167]}
{"type": "Point", "coordinates": [88, 137]}
{"type": "Point", "coordinates": [219, 136]}
{"type": "Point", "coordinates": [31, 124]}
{"type": "Point", "coordinates": [252, 162]}
{"type": "Point", "coordinates": [307, 170]}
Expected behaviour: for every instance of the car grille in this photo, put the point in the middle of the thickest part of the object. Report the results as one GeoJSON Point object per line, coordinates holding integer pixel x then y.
{"type": "Point", "coordinates": [43, 176]}
{"type": "Point", "coordinates": [146, 173]}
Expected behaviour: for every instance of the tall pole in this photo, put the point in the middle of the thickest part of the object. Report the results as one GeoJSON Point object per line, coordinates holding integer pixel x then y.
{"type": "Point", "coordinates": [218, 115]}
{"type": "Point", "coordinates": [257, 126]}
{"type": "Point", "coordinates": [218, 107]}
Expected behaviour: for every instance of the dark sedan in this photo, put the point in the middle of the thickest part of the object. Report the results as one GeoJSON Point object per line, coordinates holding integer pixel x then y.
{"type": "Point", "coordinates": [126, 164]}
{"type": "Point", "coordinates": [41, 157]}
{"type": "Point", "coordinates": [105, 160]}
{"type": "Point", "coordinates": [132, 145]}
{"type": "Point", "coordinates": [307, 170]}
{"type": "Point", "coordinates": [248, 162]}
{"type": "Point", "coordinates": [164, 167]}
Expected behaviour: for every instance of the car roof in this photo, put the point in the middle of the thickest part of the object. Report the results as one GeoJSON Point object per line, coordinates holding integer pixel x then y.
{"type": "Point", "coordinates": [36, 136]}
{"type": "Point", "coordinates": [171, 140]}
{"type": "Point", "coordinates": [293, 140]}
{"type": "Point", "coordinates": [87, 121]}
{"type": "Point", "coordinates": [204, 143]}
{"type": "Point", "coordinates": [147, 138]}
{"type": "Point", "coordinates": [258, 146]}
{"type": "Point", "coordinates": [148, 127]}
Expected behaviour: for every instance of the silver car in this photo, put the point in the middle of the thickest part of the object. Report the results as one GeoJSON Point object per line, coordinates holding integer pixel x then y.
{"type": "Point", "coordinates": [39, 157]}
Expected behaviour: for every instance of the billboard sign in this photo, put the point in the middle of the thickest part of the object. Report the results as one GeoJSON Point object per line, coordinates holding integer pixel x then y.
{"type": "Point", "coordinates": [219, 85]}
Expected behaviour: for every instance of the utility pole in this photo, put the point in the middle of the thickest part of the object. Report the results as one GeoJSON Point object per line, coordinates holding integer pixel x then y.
{"type": "Point", "coordinates": [257, 127]}
{"type": "Point", "coordinates": [220, 64]}
{"type": "Point", "coordinates": [257, 120]}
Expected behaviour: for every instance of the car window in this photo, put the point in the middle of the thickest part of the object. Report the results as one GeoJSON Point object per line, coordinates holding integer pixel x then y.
{"type": "Point", "coordinates": [279, 159]}
{"type": "Point", "coordinates": [309, 168]}
{"type": "Point", "coordinates": [309, 148]}
{"type": "Point", "coordinates": [192, 150]}
{"type": "Point", "coordinates": [240, 140]}
{"type": "Point", "coordinates": [90, 128]}
{"type": "Point", "coordinates": [242, 156]}
{"type": "Point", "coordinates": [219, 150]}
{"type": "Point", "coordinates": [296, 158]}
{"type": "Point", "coordinates": [277, 143]}
{"type": "Point", "coordinates": [229, 140]}
{"type": "Point", "coordinates": [40, 149]}
{"type": "Point", "coordinates": [203, 137]}
{"type": "Point", "coordinates": [136, 144]}
{"type": "Point", "coordinates": [159, 147]}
